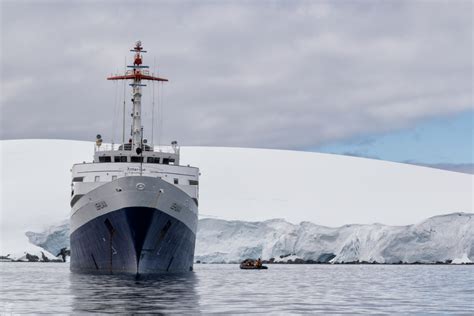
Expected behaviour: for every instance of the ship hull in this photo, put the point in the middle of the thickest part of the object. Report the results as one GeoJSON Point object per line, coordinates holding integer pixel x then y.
{"type": "Point", "coordinates": [146, 236]}
{"type": "Point", "coordinates": [135, 240]}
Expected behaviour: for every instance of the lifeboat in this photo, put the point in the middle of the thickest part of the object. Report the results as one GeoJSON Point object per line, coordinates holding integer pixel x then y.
{"type": "Point", "coordinates": [250, 264]}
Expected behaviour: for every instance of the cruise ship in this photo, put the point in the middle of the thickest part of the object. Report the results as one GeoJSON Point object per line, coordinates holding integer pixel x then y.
{"type": "Point", "coordinates": [134, 208]}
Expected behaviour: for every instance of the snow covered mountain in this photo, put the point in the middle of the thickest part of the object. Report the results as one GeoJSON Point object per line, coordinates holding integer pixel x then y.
{"type": "Point", "coordinates": [443, 238]}
{"type": "Point", "coordinates": [245, 184]}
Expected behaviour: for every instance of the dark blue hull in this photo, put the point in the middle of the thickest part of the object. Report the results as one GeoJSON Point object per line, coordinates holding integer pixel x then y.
{"type": "Point", "coordinates": [137, 240]}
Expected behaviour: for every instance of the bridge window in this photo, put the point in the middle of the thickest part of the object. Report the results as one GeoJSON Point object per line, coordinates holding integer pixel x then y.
{"type": "Point", "coordinates": [193, 182]}
{"type": "Point", "coordinates": [153, 160]}
{"type": "Point", "coordinates": [168, 161]}
{"type": "Point", "coordinates": [105, 159]}
{"type": "Point", "coordinates": [114, 178]}
{"type": "Point", "coordinates": [136, 159]}
{"type": "Point", "coordinates": [78, 179]}
{"type": "Point", "coordinates": [97, 178]}
{"type": "Point", "coordinates": [120, 158]}
{"type": "Point", "coordinates": [176, 181]}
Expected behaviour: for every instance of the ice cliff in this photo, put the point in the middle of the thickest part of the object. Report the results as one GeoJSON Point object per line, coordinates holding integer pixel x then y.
{"type": "Point", "coordinates": [439, 239]}
{"type": "Point", "coordinates": [52, 239]}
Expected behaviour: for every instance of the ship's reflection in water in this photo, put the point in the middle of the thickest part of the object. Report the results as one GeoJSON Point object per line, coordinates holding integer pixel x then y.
{"type": "Point", "coordinates": [165, 294]}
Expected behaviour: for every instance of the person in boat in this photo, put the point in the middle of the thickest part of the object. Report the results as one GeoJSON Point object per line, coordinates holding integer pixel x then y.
{"type": "Point", "coordinates": [258, 263]}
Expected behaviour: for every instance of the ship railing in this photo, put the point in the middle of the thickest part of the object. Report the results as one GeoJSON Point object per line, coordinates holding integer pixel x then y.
{"type": "Point", "coordinates": [113, 147]}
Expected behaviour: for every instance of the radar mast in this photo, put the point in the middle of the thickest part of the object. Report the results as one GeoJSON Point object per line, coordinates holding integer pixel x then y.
{"type": "Point", "coordinates": [137, 74]}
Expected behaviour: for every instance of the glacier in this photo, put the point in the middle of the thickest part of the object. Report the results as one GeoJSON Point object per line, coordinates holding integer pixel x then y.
{"type": "Point", "coordinates": [439, 239]}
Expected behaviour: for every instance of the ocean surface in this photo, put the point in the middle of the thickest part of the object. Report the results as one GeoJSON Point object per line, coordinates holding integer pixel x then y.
{"type": "Point", "coordinates": [215, 288]}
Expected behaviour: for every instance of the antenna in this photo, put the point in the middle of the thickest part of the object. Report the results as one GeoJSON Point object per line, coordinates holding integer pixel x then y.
{"type": "Point", "coordinates": [123, 110]}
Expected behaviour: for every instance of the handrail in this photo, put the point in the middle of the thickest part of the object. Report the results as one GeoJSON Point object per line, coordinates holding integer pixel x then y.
{"type": "Point", "coordinates": [115, 147]}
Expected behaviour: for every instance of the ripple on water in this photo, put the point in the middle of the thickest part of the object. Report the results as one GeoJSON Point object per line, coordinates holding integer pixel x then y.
{"type": "Point", "coordinates": [363, 289]}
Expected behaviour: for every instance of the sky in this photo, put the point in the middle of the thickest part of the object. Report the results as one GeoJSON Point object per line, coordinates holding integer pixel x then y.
{"type": "Point", "coordinates": [420, 143]}
{"type": "Point", "coordinates": [383, 79]}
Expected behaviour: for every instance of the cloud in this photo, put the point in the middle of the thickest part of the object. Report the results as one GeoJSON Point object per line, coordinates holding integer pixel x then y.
{"type": "Point", "coordinates": [263, 74]}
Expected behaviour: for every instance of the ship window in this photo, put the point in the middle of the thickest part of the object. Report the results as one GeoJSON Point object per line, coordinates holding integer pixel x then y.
{"type": "Point", "coordinates": [114, 178]}
{"type": "Point", "coordinates": [78, 179]}
{"type": "Point", "coordinates": [153, 160]}
{"type": "Point", "coordinates": [136, 159]}
{"type": "Point", "coordinates": [105, 159]}
{"type": "Point", "coordinates": [97, 178]}
{"type": "Point", "coordinates": [166, 161]}
{"type": "Point", "coordinates": [193, 182]}
{"type": "Point", "coordinates": [176, 181]}
{"type": "Point", "coordinates": [120, 158]}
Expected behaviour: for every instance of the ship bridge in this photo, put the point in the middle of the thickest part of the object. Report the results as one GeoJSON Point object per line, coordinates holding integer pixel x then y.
{"type": "Point", "coordinates": [148, 154]}
{"type": "Point", "coordinates": [112, 162]}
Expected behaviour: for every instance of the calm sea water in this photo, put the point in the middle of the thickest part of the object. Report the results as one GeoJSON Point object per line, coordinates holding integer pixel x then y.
{"type": "Point", "coordinates": [282, 289]}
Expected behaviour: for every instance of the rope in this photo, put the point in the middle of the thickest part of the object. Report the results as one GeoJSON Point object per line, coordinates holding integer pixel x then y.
{"type": "Point", "coordinates": [115, 110]}
{"type": "Point", "coordinates": [153, 107]}
{"type": "Point", "coordinates": [161, 114]}
{"type": "Point", "coordinates": [123, 110]}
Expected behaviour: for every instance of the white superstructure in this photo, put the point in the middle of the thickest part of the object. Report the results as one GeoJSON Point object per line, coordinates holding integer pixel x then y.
{"type": "Point", "coordinates": [110, 165]}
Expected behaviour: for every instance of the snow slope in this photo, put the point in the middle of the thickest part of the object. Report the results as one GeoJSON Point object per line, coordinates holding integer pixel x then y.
{"type": "Point", "coordinates": [241, 184]}
{"type": "Point", "coordinates": [20, 246]}
{"type": "Point", "coordinates": [437, 239]}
